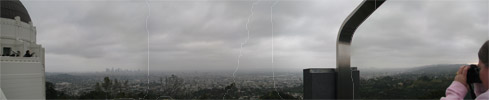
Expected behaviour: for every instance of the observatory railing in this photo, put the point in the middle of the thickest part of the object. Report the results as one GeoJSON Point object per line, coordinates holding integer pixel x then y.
{"type": "Point", "coordinates": [19, 59]}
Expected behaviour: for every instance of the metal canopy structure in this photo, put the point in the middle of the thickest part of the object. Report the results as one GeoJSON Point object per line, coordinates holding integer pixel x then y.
{"type": "Point", "coordinates": [345, 88]}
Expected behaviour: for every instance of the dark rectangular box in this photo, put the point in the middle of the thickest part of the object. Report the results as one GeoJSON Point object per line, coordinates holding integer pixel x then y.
{"type": "Point", "coordinates": [319, 83]}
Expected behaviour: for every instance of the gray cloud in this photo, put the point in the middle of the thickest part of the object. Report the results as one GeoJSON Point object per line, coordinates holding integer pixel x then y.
{"type": "Point", "coordinates": [432, 32]}
{"type": "Point", "coordinates": [206, 35]}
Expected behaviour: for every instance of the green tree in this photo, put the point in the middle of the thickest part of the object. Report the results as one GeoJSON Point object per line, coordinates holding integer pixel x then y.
{"type": "Point", "coordinates": [93, 95]}
{"type": "Point", "coordinates": [97, 87]}
{"type": "Point", "coordinates": [174, 87]}
{"type": "Point", "coordinates": [117, 86]}
{"type": "Point", "coordinates": [277, 95]}
{"type": "Point", "coordinates": [51, 93]}
{"type": "Point", "coordinates": [107, 84]}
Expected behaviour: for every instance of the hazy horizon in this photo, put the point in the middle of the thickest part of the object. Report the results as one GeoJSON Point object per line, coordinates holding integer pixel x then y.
{"type": "Point", "coordinates": [362, 69]}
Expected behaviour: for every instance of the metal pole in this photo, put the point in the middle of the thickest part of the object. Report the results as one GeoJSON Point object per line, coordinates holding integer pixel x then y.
{"type": "Point", "coordinates": [344, 81]}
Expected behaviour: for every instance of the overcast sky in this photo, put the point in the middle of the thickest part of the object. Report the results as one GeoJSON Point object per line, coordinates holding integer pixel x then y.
{"type": "Point", "coordinates": [206, 35]}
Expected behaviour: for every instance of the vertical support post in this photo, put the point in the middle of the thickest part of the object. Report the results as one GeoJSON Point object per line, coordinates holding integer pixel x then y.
{"type": "Point", "coordinates": [344, 78]}
{"type": "Point", "coordinates": [356, 80]}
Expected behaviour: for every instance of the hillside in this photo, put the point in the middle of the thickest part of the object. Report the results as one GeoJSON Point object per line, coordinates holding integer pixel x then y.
{"type": "Point", "coordinates": [435, 69]}
{"type": "Point", "coordinates": [438, 69]}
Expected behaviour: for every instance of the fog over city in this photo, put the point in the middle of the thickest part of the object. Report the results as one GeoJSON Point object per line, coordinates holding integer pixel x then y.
{"type": "Point", "coordinates": [206, 35]}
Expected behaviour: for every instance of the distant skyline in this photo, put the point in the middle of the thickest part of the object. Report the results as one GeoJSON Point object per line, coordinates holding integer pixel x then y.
{"type": "Point", "coordinates": [193, 35]}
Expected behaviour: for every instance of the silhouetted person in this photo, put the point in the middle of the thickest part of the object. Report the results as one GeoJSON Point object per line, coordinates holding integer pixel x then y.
{"type": "Point", "coordinates": [28, 54]}
{"type": "Point", "coordinates": [15, 54]}
{"type": "Point", "coordinates": [18, 54]}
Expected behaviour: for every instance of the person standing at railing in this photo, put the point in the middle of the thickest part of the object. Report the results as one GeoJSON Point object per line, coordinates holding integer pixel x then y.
{"type": "Point", "coordinates": [27, 54]}
{"type": "Point", "coordinates": [15, 54]}
{"type": "Point", "coordinates": [458, 89]}
{"type": "Point", "coordinates": [18, 54]}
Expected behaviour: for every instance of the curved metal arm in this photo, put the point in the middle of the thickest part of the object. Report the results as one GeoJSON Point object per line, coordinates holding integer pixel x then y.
{"type": "Point", "coordinates": [345, 88]}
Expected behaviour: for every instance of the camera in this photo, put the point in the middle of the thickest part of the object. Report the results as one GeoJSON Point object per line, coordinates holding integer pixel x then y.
{"type": "Point", "coordinates": [473, 75]}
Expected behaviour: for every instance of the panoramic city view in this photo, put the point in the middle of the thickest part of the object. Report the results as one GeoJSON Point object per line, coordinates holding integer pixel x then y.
{"type": "Point", "coordinates": [244, 49]}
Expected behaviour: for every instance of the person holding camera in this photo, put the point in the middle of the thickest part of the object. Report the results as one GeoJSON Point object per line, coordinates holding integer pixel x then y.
{"type": "Point", "coordinates": [466, 76]}
{"type": "Point", "coordinates": [27, 54]}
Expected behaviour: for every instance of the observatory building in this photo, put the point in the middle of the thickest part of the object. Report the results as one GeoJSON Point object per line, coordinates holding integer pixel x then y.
{"type": "Point", "coordinates": [22, 59]}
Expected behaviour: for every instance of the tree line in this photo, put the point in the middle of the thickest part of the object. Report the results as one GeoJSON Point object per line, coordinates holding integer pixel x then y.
{"type": "Point", "coordinates": [172, 87]}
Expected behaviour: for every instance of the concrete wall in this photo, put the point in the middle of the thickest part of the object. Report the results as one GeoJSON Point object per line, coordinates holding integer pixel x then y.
{"type": "Point", "coordinates": [17, 29]}
{"type": "Point", "coordinates": [2, 96]}
{"type": "Point", "coordinates": [22, 78]}
{"type": "Point", "coordinates": [19, 36]}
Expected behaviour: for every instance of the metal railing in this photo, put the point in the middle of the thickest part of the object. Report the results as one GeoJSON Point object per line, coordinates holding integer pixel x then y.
{"type": "Point", "coordinates": [19, 59]}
